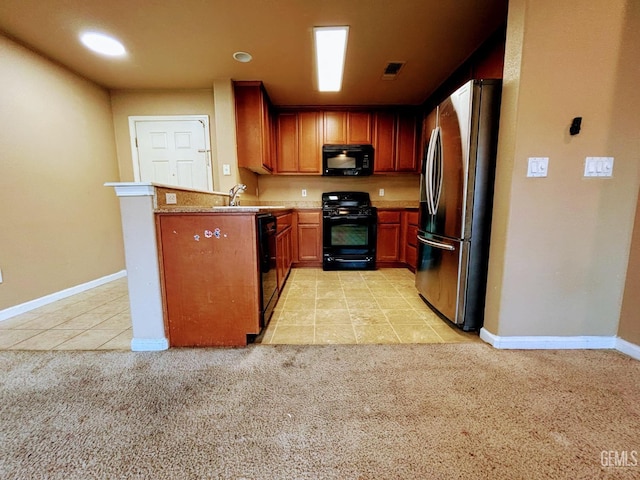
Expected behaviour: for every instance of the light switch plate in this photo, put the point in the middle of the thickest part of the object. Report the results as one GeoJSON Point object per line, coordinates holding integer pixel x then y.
{"type": "Point", "coordinates": [226, 169]}
{"type": "Point", "coordinates": [598, 166]}
{"type": "Point", "coordinates": [304, 192]}
{"type": "Point", "coordinates": [381, 192]}
{"type": "Point", "coordinates": [538, 167]}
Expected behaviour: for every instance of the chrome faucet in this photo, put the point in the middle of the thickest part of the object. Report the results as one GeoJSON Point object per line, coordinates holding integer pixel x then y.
{"type": "Point", "coordinates": [234, 192]}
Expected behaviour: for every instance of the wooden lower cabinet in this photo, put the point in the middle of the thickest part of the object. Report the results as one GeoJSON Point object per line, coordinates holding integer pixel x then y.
{"type": "Point", "coordinates": [284, 248]}
{"type": "Point", "coordinates": [388, 248]}
{"type": "Point", "coordinates": [210, 278]}
{"type": "Point", "coordinates": [410, 221]}
{"type": "Point", "coordinates": [308, 243]}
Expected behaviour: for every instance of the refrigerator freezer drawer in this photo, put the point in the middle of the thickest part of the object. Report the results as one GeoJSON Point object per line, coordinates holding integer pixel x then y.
{"type": "Point", "coordinates": [440, 274]}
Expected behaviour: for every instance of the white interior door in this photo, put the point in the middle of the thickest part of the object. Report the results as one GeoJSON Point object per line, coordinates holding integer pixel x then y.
{"type": "Point", "coordinates": [172, 151]}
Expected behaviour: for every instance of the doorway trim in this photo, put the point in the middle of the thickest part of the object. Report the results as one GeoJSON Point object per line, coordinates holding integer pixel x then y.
{"type": "Point", "coordinates": [168, 118]}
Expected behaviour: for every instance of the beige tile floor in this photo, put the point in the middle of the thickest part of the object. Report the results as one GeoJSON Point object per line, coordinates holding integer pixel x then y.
{"type": "Point", "coordinates": [316, 307]}
{"type": "Point", "coordinates": [97, 319]}
{"type": "Point", "coordinates": [381, 306]}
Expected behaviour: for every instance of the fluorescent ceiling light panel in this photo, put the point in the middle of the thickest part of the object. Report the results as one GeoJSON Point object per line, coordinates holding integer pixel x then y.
{"type": "Point", "coordinates": [331, 47]}
{"type": "Point", "coordinates": [102, 44]}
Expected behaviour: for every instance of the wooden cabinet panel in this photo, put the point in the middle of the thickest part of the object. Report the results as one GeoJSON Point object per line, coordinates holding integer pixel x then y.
{"type": "Point", "coordinates": [389, 228]}
{"type": "Point", "coordinates": [313, 217]}
{"type": "Point", "coordinates": [412, 258]}
{"type": "Point", "coordinates": [287, 148]}
{"type": "Point", "coordinates": [253, 127]}
{"type": "Point", "coordinates": [412, 235]}
{"type": "Point", "coordinates": [395, 142]}
{"type": "Point", "coordinates": [335, 127]}
{"type": "Point", "coordinates": [359, 127]}
{"type": "Point", "coordinates": [309, 237]}
{"type": "Point", "coordinates": [413, 217]}
{"type": "Point", "coordinates": [388, 249]}
{"type": "Point", "coordinates": [347, 127]}
{"type": "Point", "coordinates": [299, 140]}
{"type": "Point", "coordinates": [406, 143]}
{"type": "Point", "coordinates": [309, 243]}
{"type": "Point", "coordinates": [210, 283]}
{"type": "Point", "coordinates": [310, 142]}
{"type": "Point", "coordinates": [384, 142]}
{"type": "Point", "coordinates": [283, 256]}
{"type": "Point", "coordinates": [410, 227]}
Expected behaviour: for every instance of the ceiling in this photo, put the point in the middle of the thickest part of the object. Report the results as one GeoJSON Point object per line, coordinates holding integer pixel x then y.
{"type": "Point", "coordinates": [188, 43]}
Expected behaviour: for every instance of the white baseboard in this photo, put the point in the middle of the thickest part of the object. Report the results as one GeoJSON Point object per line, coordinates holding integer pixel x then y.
{"type": "Point", "coordinates": [628, 348]}
{"type": "Point", "coordinates": [149, 344]}
{"type": "Point", "coordinates": [542, 342]}
{"type": "Point", "coordinates": [561, 343]}
{"type": "Point", "coordinates": [39, 302]}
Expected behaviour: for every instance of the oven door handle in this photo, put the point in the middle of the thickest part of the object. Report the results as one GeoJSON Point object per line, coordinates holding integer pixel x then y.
{"type": "Point", "coordinates": [344, 260]}
{"type": "Point", "coordinates": [348, 217]}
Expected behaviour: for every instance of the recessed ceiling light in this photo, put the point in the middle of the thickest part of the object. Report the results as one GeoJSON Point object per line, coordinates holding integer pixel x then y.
{"type": "Point", "coordinates": [242, 57]}
{"type": "Point", "coordinates": [103, 44]}
{"type": "Point", "coordinates": [331, 48]}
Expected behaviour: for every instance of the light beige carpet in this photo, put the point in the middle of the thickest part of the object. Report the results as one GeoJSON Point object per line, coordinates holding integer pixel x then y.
{"type": "Point", "coordinates": [319, 412]}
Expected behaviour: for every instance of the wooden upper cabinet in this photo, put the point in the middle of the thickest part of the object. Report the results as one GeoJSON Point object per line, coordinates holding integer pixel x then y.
{"type": "Point", "coordinates": [344, 127]}
{"type": "Point", "coordinates": [254, 132]}
{"type": "Point", "coordinates": [310, 142]}
{"type": "Point", "coordinates": [395, 140]}
{"type": "Point", "coordinates": [287, 149]}
{"type": "Point", "coordinates": [406, 142]}
{"type": "Point", "coordinates": [299, 142]}
{"type": "Point", "coordinates": [384, 125]}
{"type": "Point", "coordinates": [359, 127]}
{"type": "Point", "coordinates": [335, 127]}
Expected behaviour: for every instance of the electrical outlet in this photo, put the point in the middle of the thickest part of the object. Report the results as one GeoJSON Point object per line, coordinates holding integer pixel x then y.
{"type": "Point", "coordinates": [171, 198]}
{"type": "Point", "coordinates": [381, 192]}
{"type": "Point", "coordinates": [304, 192]}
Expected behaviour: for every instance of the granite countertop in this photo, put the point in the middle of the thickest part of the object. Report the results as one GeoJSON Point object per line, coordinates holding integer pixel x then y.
{"type": "Point", "coordinates": [223, 209]}
{"type": "Point", "coordinates": [271, 208]}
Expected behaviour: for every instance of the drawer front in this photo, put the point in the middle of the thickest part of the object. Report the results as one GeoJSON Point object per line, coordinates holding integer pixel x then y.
{"type": "Point", "coordinates": [310, 217]}
{"type": "Point", "coordinates": [413, 217]}
{"type": "Point", "coordinates": [388, 216]}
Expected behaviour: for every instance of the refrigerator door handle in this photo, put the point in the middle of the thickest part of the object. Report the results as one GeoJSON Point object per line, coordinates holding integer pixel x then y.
{"type": "Point", "coordinates": [428, 178]}
{"type": "Point", "coordinates": [435, 244]}
{"type": "Point", "coordinates": [437, 167]}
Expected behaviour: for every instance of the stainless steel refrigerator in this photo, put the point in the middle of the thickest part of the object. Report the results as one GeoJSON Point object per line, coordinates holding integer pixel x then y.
{"type": "Point", "coordinates": [456, 202]}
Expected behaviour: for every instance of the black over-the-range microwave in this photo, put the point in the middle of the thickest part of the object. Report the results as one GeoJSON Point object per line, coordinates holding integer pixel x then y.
{"type": "Point", "coordinates": [347, 160]}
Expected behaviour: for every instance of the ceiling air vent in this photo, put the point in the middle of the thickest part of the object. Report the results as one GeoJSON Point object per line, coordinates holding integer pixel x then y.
{"type": "Point", "coordinates": [392, 70]}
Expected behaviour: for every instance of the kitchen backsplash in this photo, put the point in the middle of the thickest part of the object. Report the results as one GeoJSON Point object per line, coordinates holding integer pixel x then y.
{"type": "Point", "coordinates": [289, 189]}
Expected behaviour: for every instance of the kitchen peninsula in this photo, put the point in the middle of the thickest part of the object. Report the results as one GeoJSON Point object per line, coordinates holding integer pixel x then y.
{"type": "Point", "coordinates": [147, 218]}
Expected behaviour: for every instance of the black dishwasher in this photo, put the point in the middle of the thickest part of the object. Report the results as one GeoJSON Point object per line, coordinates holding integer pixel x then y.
{"type": "Point", "coordinates": [267, 259]}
